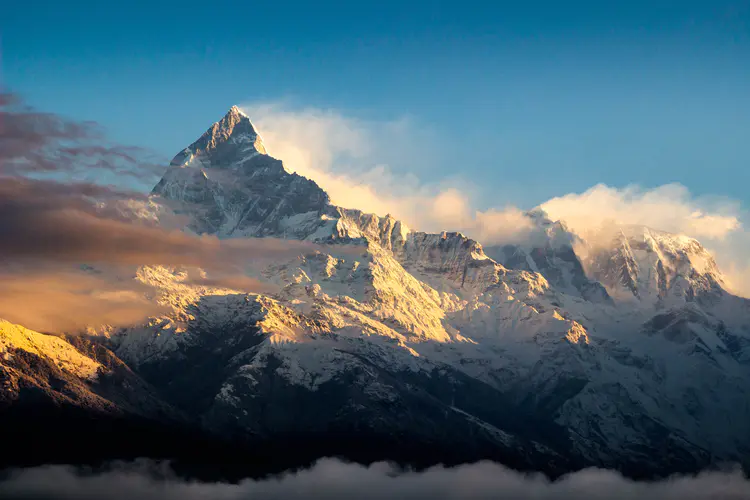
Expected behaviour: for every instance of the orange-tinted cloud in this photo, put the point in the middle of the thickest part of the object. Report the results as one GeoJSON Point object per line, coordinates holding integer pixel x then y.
{"type": "Point", "coordinates": [68, 299]}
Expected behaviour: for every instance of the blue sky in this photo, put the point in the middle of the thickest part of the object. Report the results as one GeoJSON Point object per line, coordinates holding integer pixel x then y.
{"type": "Point", "coordinates": [532, 99]}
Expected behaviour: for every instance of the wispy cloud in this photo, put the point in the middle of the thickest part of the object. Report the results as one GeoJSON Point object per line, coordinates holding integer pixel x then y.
{"type": "Point", "coordinates": [333, 479]}
{"type": "Point", "coordinates": [44, 144]}
{"type": "Point", "coordinates": [669, 208]}
{"type": "Point", "coordinates": [50, 221]}
{"type": "Point", "coordinates": [54, 298]}
{"type": "Point", "coordinates": [380, 167]}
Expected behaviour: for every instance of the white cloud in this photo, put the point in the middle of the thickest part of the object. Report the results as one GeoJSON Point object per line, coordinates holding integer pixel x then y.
{"type": "Point", "coordinates": [330, 478]}
{"type": "Point", "coordinates": [668, 208]}
{"type": "Point", "coordinates": [381, 167]}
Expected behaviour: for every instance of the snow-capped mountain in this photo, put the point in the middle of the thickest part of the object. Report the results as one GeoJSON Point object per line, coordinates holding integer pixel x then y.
{"type": "Point", "coordinates": [619, 349]}
{"type": "Point", "coordinates": [233, 188]}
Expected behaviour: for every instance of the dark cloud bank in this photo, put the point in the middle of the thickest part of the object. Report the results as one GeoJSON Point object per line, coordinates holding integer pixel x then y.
{"type": "Point", "coordinates": [330, 478]}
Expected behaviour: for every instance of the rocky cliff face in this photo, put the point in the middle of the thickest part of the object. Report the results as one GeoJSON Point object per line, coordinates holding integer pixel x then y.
{"type": "Point", "coordinates": [654, 266]}
{"type": "Point", "coordinates": [551, 355]}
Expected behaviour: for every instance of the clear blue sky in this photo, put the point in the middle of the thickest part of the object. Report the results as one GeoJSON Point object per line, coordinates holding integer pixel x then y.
{"type": "Point", "coordinates": [545, 96]}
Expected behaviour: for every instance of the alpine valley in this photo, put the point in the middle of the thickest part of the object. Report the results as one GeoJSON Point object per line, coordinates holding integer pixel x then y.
{"type": "Point", "coordinates": [621, 349]}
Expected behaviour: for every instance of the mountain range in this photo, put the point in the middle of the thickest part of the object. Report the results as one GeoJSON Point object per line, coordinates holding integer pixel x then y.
{"type": "Point", "coordinates": [620, 348]}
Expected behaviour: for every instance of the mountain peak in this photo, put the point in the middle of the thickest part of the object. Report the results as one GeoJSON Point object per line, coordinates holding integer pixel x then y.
{"type": "Point", "coordinates": [235, 110]}
{"type": "Point", "coordinates": [236, 127]}
{"type": "Point", "coordinates": [233, 132]}
{"type": "Point", "coordinates": [232, 187]}
{"type": "Point", "coordinates": [236, 115]}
